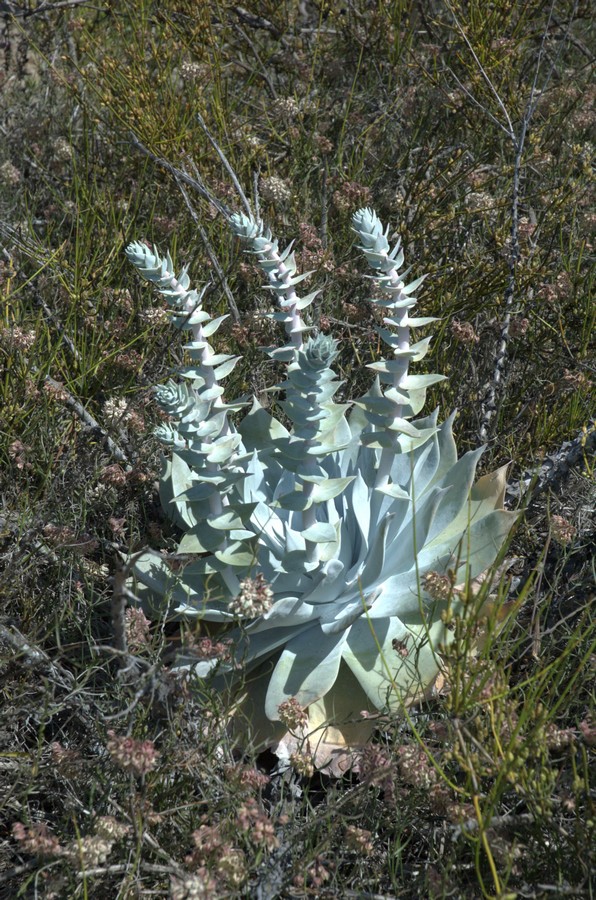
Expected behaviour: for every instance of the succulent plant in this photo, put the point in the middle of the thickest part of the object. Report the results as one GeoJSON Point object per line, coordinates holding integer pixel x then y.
{"type": "Point", "coordinates": [320, 541]}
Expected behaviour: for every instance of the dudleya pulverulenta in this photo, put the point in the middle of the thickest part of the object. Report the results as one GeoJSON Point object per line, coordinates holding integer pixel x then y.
{"type": "Point", "coordinates": [347, 512]}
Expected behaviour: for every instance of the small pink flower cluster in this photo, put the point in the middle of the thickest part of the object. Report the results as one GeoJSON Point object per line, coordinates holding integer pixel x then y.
{"type": "Point", "coordinates": [91, 850]}
{"type": "Point", "coordinates": [255, 598]}
{"type": "Point", "coordinates": [359, 839]}
{"type": "Point", "coordinates": [350, 195]}
{"type": "Point", "coordinates": [9, 174]}
{"type": "Point", "coordinates": [292, 715]}
{"type": "Point", "coordinates": [463, 332]}
{"type": "Point", "coordinates": [55, 392]}
{"type": "Point", "coordinates": [318, 873]}
{"type": "Point", "coordinates": [323, 143]}
{"type": "Point", "coordinates": [17, 338]}
{"type": "Point", "coordinates": [138, 633]}
{"type": "Point", "coordinates": [138, 757]}
{"type": "Point", "coordinates": [588, 730]}
{"type": "Point", "coordinates": [18, 453]}
{"type": "Point", "coordinates": [213, 853]}
{"type": "Point", "coordinates": [131, 360]}
{"type": "Point", "coordinates": [286, 107]}
{"type": "Point", "coordinates": [303, 764]}
{"type": "Point", "coordinates": [207, 648]}
{"type": "Point", "coordinates": [401, 648]}
{"type": "Point", "coordinates": [439, 587]}
{"type": "Point", "coordinates": [117, 525]}
{"type": "Point", "coordinates": [415, 767]}
{"type": "Point", "coordinates": [519, 326]}
{"type": "Point", "coordinates": [37, 840]}
{"type": "Point", "coordinates": [557, 738]}
{"type": "Point", "coordinates": [192, 72]}
{"type": "Point", "coordinates": [247, 777]}
{"type": "Point", "coordinates": [200, 886]}
{"type": "Point", "coordinates": [275, 189]}
{"type": "Point", "coordinates": [208, 840]}
{"type": "Point", "coordinates": [255, 822]}
{"type": "Point", "coordinates": [377, 768]}
{"type": "Point", "coordinates": [68, 762]}
{"type": "Point", "coordinates": [563, 531]}
{"type": "Point", "coordinates": [113, 475]}
{"type": "Point", "coordinates": [560, 290]}
{"type": "Point", "coordinates": [313, 255]}
{"type": "Point", "coordinates": [526, 228]}
{"type": "Point", "coordinates": [63, 537]}
{"type": "Point", "coordinates": [111, 829]}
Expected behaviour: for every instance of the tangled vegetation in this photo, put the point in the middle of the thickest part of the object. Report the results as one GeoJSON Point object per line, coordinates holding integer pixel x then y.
{"type": "Point", "coordinates": [469, 125]}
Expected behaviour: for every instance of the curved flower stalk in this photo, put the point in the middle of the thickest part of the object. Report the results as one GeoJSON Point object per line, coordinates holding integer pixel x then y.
{"type": "Point", "coordinates": [389, 410]}
{"type": "Point", "coordinates": [280, 269]}
{"type": "Point", "coordinates": [204, 443]}
{"type": "Point", "coordinates": [350, 516]}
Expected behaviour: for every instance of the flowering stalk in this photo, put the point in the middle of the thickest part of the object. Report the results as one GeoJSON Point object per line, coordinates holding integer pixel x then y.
{"type": "Point", "coordinates": [203, 439]}
{"type": "Point", "coordinates": [309, 386]}
{"type": "Point", "coordinates": [320, 429]}
{"type": "Point", "coordinates": [280, 269]}
{"type": "Point", "coordinates": [398, 403]}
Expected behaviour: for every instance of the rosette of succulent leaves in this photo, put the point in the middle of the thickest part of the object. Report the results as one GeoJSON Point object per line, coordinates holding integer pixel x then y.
{"type": "Point", "coordinates": [321, 539]}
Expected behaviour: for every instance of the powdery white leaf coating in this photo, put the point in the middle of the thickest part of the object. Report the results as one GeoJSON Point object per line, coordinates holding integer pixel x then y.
{"type": "Point", "coordinates": [343, 514]}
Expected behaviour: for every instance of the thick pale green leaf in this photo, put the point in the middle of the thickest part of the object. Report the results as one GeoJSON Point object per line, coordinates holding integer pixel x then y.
{"type": "Point", "coordinates": [226, 367]}
{"type": "Point", "coordinates": [221, 449]}
{"type": "Point", "coordinates": [395, 491]}
{"type": "Point", "coordinates": [233, 516]}
{"type": "Point", "coordinates": [211, 327]}
{"type": "Point", "coordinates": [198, 317]}
{"type": "Point", "coordinates": [304, 302]}
{"type": "Point", "coordinates": [327, 488]}
{"type": "Point", "coordinates": [237, 554]}
{"type": "Point", "coordinates": [320, 532]}
{"type": "Point", "coordinates": [202, 538]}
{"type": "Point", "coordinates": [415, 382]}
{"type": "Point", "coordinates": [306, 669]}
{"type": "Point", "coordinates": [378, 440]}
{"type": "Point", "coordinates": [294, 500]}
{"type": "Point", "coordinates": [259, 429]}
{"type": "Point", "coordinates": [372, 657]}
{"type": "Point", "coordinates": [279, 286]}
